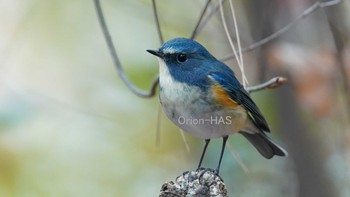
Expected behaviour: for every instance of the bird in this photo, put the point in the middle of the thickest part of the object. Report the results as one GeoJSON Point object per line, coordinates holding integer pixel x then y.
{"type": "Point", "coordinates": [202, 96]}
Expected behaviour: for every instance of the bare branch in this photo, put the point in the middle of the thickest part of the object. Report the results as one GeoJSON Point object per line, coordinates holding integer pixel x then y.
{"type": "Point", "coordinates": [240, 65]}
{"type": "Point", "coordinates": [272, 83]}
{"type": "Point", "coordinates": [194, 32]}
{"type": "Point", "coordinates": [156, 18]}
{"type": "Point", "coordinates": [117, 64]}
{"type": "Point", "coordinates": [283, 30]}
{"type": "Point", "coordinates": [211, 13]}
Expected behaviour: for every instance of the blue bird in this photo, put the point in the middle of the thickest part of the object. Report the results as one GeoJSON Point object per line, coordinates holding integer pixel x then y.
{"type": "Point", "coordinates": [202, 96]}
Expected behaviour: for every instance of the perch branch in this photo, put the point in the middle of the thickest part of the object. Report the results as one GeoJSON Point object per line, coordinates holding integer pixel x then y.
{"type": "Point", "coordinates": [286, 28]}
{"type": "Point", "coordinates": [202, 182]}
{"type": "Point", "coordinates": [270, 84]}
{"type": "Point", "coordinates": [117, 64]}
{"type": "Point", "coordinates": [156, 18]}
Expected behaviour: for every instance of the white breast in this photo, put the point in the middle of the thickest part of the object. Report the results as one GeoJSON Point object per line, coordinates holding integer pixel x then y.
{"type": "Point", "coordinates": [174, 92]}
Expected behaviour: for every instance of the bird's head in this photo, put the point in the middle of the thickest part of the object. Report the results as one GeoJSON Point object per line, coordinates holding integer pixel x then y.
{"type": "Point", "coordinates": [183, 53]}
{"type": "Point", "coordinates": [185, 60]}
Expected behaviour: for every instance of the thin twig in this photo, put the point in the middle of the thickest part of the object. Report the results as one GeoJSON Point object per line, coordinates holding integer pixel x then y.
{"type": "Point", "coordinates": [281, 31]}
{"type": "Point", "coordinates": [231, 42]}
{"type": "Point", "coordinates": [156, 18]}
{"type": "Point", "coordinates": [238, 158]}
{"type": "Point", "coordinates": [161, 39]}
{"type": "Point", "coordinates": [117, 64]}
{"type": "Point", "coordinates": [184, 139]}
{"type": "Point", "coordinates": [272, 83]}
{"type": "Point", "coordinates": [241, 65]}
{"type": "Point", "coordinates": [211, 14]}
{"type": "Point", "coordinates": [194, 32]}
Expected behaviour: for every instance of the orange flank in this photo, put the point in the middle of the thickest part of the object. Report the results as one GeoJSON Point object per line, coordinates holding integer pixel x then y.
{"type": "Point", "coordinates": [222, 97]}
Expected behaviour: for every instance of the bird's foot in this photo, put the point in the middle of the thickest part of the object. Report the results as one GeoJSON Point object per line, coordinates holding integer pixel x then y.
{"type": "Point", "coordinates": [216, 171]}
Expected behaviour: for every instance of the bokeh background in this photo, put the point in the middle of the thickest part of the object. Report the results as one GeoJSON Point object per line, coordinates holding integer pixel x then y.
{"type": "Point", "coordinates": [70, 127]}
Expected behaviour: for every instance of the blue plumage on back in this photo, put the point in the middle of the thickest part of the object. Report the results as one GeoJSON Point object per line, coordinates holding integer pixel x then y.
{"type": "Point", "coordinates": [239, 95]}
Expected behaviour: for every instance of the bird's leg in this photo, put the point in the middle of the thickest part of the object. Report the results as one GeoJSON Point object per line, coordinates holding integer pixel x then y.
{"type": "Point", "coordinates": [224, 140]}
{"type": "Point", "coordinates": [203, 153]}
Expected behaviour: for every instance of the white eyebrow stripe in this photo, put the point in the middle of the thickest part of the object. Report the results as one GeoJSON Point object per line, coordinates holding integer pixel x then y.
{"type": "Point", "coordinates": [170, 50]}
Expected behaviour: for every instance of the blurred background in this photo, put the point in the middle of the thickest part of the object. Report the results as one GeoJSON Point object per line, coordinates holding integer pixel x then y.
{"type": "Point", "coordinates": [70, 127]}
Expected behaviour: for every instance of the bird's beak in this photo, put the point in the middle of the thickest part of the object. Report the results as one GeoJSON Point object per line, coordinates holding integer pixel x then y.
{"type": "Point", "coordinates": [156, 53]}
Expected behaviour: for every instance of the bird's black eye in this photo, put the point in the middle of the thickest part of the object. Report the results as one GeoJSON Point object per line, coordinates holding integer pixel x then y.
{"type": "Point", "coordinates": [181, 58]}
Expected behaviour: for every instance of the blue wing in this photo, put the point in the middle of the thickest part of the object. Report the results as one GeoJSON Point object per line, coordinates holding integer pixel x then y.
{"type": "Point", "coordinates": [226, 79]}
